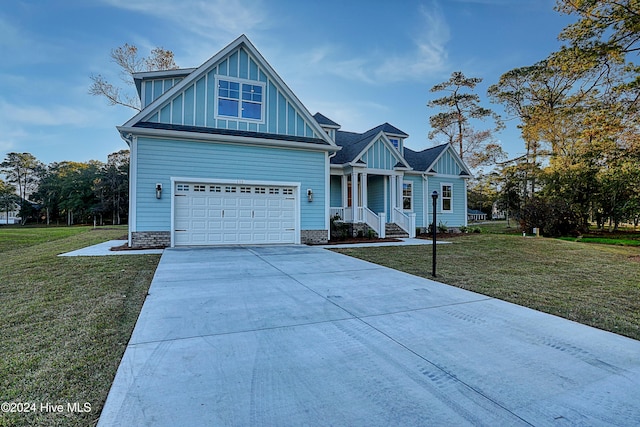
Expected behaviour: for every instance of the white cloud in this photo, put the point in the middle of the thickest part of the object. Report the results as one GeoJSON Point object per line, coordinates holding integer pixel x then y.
{"type": "Point", "coordinates": [55, 115]}
{"type": "Point", "coordinates": [213, 19]}
{"type": "Point", "coordinates": [429, 54]}
{"type": "Point", "coordinates": [425, 54]}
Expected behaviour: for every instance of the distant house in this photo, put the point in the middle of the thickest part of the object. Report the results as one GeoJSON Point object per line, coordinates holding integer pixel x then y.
{"type": "Point", "coordinates": [227, 154]}
{"type": "Point", "coordinates": [497, 212]}
{"type": "Point", "coordinates": [11, 217]}
{"type": "Point", "coordinates": [476, 215]}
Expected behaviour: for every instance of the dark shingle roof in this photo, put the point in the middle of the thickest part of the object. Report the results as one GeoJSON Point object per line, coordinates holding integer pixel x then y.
{"type": "Point", "coordinates": [325, 121]}
{"type": "Point", "coordinates": [421, 160]}
{"type": "Point", "coordinates": [230, 132]}
{"type": "Point", "coordinates": [353, 143]}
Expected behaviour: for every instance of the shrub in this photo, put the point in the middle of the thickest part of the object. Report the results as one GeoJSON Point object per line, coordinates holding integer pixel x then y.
{"type": "Point", "coordinates": [442, 227]}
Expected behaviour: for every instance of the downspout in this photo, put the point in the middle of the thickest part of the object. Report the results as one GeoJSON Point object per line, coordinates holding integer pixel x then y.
{"type": "Point", "coordinates": [131, 141]}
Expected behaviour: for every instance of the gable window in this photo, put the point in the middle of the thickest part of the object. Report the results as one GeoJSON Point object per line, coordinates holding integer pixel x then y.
{"type": "Point", "coordinates": [395, 142]}
{"type": "Point", "coordinates": [407, 196]}
{"type": "Point", "coordinates": [243, 100]}
{"type": "Point", "coordinates": [447, 197]}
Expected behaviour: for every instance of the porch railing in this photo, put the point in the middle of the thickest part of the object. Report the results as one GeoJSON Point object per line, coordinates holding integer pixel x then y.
{"type": "Point", "coordinates": [361, 214]}
{"type": "Point", "coordinates": [404, 221]}
{"type": "Point", "coordinates": [375, 221]}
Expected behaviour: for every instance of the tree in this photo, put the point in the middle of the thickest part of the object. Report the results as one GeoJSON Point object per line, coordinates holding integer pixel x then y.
{"type": "Point", "coordinates": [606, 34]}
{"type": "Point", "coordinates": [22, 170]}
{"type": "Point", "coordinates": [111, 186]}
{"type": "Point", "coordinates": [461, 110]}
{"type": "Point", "coordinates": [128, 59]}
{"type": "Point", "coordinates": [8, 198]}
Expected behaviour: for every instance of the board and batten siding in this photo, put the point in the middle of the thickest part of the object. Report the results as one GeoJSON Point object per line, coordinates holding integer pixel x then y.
{"type": "Point", "coordinates": [378, 156]}
{"type": "Point", "coordinates": [161, 159]}
{"type": "Point", "coordinates": [195, 104]}
{"type": "Point", "coordinates": [447, 165]}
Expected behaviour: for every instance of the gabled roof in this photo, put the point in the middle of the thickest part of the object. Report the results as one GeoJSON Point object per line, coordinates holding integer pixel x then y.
{"type": "Point", "coordinates": [353, 144]}
{"type": "Point", "coordinates": [392, 130]}
{"type": "Point", "coordinates": [190, 78]}
{"type": "Point", "coordinates": [325, 121]}
{"type": "Point", "coordinates": [424, 160]}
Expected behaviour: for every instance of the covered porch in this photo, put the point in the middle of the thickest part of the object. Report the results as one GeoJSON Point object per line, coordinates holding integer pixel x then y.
{"type": "Point", "coordinates": [375, 198]}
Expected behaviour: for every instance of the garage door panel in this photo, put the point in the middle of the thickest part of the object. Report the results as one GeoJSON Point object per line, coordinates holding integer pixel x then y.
{"type": "Point", "coordinates": [213, 214]}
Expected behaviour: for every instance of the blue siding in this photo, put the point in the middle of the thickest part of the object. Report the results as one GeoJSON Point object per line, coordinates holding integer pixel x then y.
{"type": "Point", "coordinates": [448, 165]}
{"type": "Point", "coordinates": [375, 193]}
{"type": "Point", "coordinates": [378, 156]}
{"type": "Point", "coordinates": [160, 159]}
{"type": "Point", "coordinates": [418, 198]}
{"type": "Point", "coordinates": [458, 215]}
{"type": "Point", "coordinates": [197, 104]}
{"type": "Point", "coordinates": [336, 191]}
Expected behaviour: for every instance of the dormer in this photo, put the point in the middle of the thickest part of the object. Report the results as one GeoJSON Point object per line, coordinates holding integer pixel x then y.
{"type": "Point", "coordinates": [151, 84]}
{"type": "Point", "coordinates": [328, 125]}
{"type": "Point", "coordinates": [396, 136]}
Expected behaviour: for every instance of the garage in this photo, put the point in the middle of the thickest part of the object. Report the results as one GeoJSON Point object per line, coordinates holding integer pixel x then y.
{"type": "Point", "coordinates": [234, 214]}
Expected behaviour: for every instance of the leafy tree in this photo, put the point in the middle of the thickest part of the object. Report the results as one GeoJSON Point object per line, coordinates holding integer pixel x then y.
{"type": "Point", "coordinates": [112, 186]}
{"type": "Point", "coordinates": [22, 170]}
{"type": "Point", "coordinates": [461, 111]}
{"type": "Point", "coordinates": [8, 198]}
{"type": "Point", "coordinates": [128, 59]}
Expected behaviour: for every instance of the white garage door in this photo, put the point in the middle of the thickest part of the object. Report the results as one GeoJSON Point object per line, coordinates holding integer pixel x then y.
{"type": "Point", "coordinates": [223, 214]}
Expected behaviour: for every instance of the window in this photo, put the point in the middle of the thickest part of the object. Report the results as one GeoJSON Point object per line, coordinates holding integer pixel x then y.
{"type": "Point", "coordinates": [259, 190]}
{"type": "Point", "coordinates": [240, 99]}
{"type": "Point", "coordinates": [407, 196]}
{"type": "Point", "coordinates": [215, 189]}
{"type": "Point", "coordinates": [395, 142]}
{"type": "Point", "coordinates": [245, 189]}
{"type": "Point", "coordinates": [199, 188]}
{"type": "Point", "coordinates": [182, 187]}
{"type": "Point", "coordinates": [447, 197]}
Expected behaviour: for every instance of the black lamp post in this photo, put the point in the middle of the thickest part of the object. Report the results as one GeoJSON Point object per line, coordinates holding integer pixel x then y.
{"type": "Point", "coordinates": [434, 196]}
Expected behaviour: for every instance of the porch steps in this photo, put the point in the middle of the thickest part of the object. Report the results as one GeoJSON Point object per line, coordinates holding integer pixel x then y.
{"type": "Point", "coordinates": [394, 231]}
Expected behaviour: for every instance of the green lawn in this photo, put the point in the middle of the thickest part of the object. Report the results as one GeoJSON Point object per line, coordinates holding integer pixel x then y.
{"type": "Point", "coordinates": [597, 285]}
{"type": "Point", "coordinates": [65, 321]}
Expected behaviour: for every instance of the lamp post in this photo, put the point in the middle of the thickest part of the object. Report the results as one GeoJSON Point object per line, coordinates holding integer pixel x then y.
{"type": "Point", "coordinates": [434, 196]}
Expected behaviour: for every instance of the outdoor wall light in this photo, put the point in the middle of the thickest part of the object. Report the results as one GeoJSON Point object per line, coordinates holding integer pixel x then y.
{"type": "Point", "coordinates": [309, 195]}
{"type": "Point", "coordinates": [158, 190]}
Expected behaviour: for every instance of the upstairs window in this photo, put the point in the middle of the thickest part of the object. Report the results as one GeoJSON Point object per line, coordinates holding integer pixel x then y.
{"type": "Point", "coordinates": [395, 142]}
{"type": "Point", "coordinates": [240, 99]}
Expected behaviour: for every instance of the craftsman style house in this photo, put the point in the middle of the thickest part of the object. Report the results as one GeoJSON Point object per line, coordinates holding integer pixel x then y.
{"type": "Point", "coordinates": [227, 154]}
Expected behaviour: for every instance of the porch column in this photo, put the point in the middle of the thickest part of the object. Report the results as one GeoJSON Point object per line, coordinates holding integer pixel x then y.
{"type": "Point", "coordinates": [363, 177]}
{"type": "Point", "coordinates": [393, 187]}
{"type": "Point", "coordinates": [345, 190]}
{"type": "Point", "coordinates": [354, 196]}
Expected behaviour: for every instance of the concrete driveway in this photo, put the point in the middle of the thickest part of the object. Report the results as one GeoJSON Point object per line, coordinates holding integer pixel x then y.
{"type": "Point", "coordinates": [296, 335]}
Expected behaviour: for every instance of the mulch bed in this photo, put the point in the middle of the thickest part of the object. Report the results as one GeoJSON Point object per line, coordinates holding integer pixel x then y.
{"type": "Point", "coordinates": [125, 247]}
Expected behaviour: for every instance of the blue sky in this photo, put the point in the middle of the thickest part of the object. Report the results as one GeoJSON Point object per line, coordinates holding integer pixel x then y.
{"type": "Point", "coordinates": [360, 63]}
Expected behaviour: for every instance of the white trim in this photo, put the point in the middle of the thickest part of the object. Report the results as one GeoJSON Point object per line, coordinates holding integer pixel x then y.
{"type": "Point", "coordinates": [448, 184]}
{"type": "Point", "coordinates": [327, 196]}
{"type": "Point", "coordinates": [412, 202]}
{"type": "Point", "coordinates": [132, 141]}
{"type": "Point", "coordinates": [426, 201]}
{"type": "Point", "coordinates": [457, 158]}
{"type": "Point", "coordinates": [225, 139]}
{"type": "Point", "coordinates": [296, 185]}
{"type": "Point", "coordinates": [385, 140]}
{"type": "Point", "coordinates": [240, 81]}
{"type": "Point", "coordinates": [466, 207]}
{"type": "Point", "coordinates": [271, 74]}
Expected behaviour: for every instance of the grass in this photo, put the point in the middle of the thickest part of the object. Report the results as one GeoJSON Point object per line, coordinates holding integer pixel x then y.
{"type": "Point", "coordinates": [65, 321]}
{"type": "Point", "coordinates": [597, 285]}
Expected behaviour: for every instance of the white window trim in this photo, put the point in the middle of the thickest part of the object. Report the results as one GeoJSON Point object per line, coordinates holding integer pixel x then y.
{"type": "Point", "coordinates": [262, 119]}
{"type": "Point", "coordinates": [445, 184]}
{"type": "Point", "coordinates": [411, 184]}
